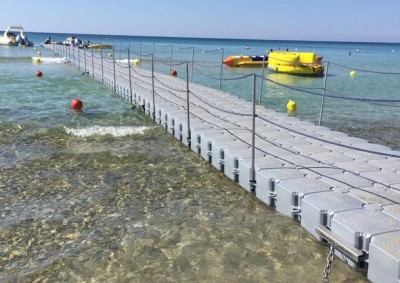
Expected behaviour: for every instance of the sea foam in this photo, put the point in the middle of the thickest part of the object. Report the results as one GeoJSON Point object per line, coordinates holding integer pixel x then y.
{"type": "Point", "coordinates": [50, 59]}
{"type": "Point", "coordinates": [115, 131]}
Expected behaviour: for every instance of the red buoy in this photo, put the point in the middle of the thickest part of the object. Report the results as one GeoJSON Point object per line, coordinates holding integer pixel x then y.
{"type": "Point", "coordinates": [39, 74]}
{"type": "Point", "coordinates": [76, 104]}
{"type": "Point", "coordinates": [174, 73]}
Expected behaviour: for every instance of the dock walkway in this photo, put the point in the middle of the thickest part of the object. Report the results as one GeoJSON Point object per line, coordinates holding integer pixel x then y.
{"type": "Point", "coordinates": [341, 189]}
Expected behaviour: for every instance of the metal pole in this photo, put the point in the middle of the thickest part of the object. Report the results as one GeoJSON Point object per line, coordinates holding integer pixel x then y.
{"type": "Point", "coordinates": [152, 84]}
{"type": "Point", "coordinates": [140, 52]}
{"type": "Point", "coordinates": [220, 78]}
{"type": "Point", "coordinates": [79, 59]}
{"type": "Point", "coordinates": [101, 57]}
{"type": "Point", "coordinates": [115, 79]}
{"type": "Point", "coordinates": [73, 51]}
{"type": "Point", "coordinates": [170, 61]}
{"type": "Point", "coordinates": [262, 81]}
{"type": "Point", "coordinates": [84, 56]}
{"type": "Point", "coordinates": [129, 72]}
{"type": "Point", "coordinates": [323, 94]}
{"type": "Point", "coordinates": [253, 139]}
{"type": "Point", "coordinates": [189, 138]}
{"type": "Point", "coordinates": [191, 77]}
{"type": "Point", "coordinates": [92, 64]}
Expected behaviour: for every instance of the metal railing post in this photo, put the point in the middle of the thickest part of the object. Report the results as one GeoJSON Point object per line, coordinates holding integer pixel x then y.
{"type": "Point", "coordinates": [191, 77]}
{"type": "Point", "coordinates": [152, 86]}
{"type": "Point", "coordinates": [253, 139]}
{"type": "Point", "coordinates": [262, 81]}
{"type": "Point", "coordinates": [170, 61]}
{"type": "Point", "coordinates": [79, 59]}
{"type": "Point", "coordinates": [140, 52]}
{"type": "Point", "coordinates": [73, 53]}
{"type": "Point", "coordinates": [323, 94]}
{"type": "Point", "coordinates": [220, 77]}
{"type": "Point", "coordinates": [115, 78]}
{"type": "Point", "coordinates": [84, 57]}
{"type": "Point", "coordinates": [189, 138]}
{"type": "Point", "coordinates": [92, 64]}
{"type": "Point", "coordinates": [101, 58]}
{"type": "Point", "coordinates": [129, 72]}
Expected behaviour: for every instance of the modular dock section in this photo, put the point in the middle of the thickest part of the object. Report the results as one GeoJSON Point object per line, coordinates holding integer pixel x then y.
{"type": "Point", "coordinates": [341, 189]}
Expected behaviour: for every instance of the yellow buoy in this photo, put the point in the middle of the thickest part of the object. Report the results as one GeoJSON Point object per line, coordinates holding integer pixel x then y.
{"type": "Point", "coordinates": [352, 74]}
{"type": "Point", "coordinates": [291, 105]}
{"type": "Point", "coordinates": [39, 53]}
{"type": "Point", "coordinates": [109, 55]}
{"type": "Point", "coordinates": [38, 61]}
{"type": "Point", "coordinates": [136, 62]}
{"type": "Point", "coordinates": [34, 48]}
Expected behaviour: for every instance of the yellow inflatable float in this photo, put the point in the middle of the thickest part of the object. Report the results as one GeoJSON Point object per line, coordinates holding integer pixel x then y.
{"type": "Point", "coordinates": [295, 63]}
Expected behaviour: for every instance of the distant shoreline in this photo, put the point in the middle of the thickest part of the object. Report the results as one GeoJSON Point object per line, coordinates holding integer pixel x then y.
{"type": "Point", "coordinates": [212, 38]}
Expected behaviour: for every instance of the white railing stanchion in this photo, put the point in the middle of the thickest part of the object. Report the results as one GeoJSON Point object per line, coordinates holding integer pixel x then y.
{"type": "Point", "coordinates": [220, 75]}
{"type": "Point", "coordinates": [323, 94]}
{"type": "Point", "coordinates": [129, 72]}
{"type": "Point", "coordinates": [189, 138]}
{"type": "Point", "coordinates": [152, 87]}
{"type": "Point", "coordinates": [115, 78]}
{"type": "Point", "coordinates": [253, 139]}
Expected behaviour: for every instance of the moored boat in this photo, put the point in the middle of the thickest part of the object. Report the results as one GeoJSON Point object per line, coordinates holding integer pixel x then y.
{"type": "Point", "coordinates": [12, 39]}
{"type": "Point", "coordinates": [246, 61]}
{"type": "Point", "coordinates": [295, 63]}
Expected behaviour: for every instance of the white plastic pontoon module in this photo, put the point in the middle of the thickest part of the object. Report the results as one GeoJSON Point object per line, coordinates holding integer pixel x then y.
{"type": "Point", "coordinates": [231, 153]}
{"type": "Point", "coordinates": [259, 162]}
{"type": "Point", "coordinates": [392, 210]}
{"type": "Point", "coordinates": [289, 194]}
{"type": "Point", "coordinates": [384, 258]}
{"type": "Point", "coordinates": [201, 144]}
{"type": "Point", "coordinates": [219, 146]}
{"type": "Point", "coordinates": [357, 226]}
{"type": "Point", "coordinates": [266, 179]}
{"type": "Point", "coordinates": [319, 208]}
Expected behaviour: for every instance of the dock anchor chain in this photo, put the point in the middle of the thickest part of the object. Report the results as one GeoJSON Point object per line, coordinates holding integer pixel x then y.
{"type": "Point", "coordinates": [328, 267]}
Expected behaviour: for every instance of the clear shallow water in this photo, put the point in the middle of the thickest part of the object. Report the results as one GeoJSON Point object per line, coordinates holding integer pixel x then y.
{"type": "Point", "coordinates": [376, 122]}
{"type": "Point", "coordinates": [105, 195]}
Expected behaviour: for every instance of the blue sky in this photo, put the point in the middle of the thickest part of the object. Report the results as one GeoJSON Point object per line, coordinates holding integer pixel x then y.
{"type": "Point", "coordinates": [327, 20]}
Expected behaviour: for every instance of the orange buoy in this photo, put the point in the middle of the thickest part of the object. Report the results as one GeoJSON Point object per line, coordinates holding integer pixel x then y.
{"type": "Point", "coordinates": [76, 104]}
{"type": "Point", "coordinates": [174, 73]}
{"type": "Point", "coordinates": [39, 74]}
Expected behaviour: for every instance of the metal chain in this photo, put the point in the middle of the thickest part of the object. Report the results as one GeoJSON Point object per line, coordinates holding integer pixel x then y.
{"type": "Point", "coordinates": [330, 258]}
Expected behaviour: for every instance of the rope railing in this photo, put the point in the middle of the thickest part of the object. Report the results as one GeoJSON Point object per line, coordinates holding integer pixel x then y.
{"type": "Point", "coordinates": [120, 74]}
{"type": "Point", "coordinates": [94, 58]}
{"type": "Point", "coordinates": [364, 70]}
{"type": "Point", "coordinates": [334, 95]}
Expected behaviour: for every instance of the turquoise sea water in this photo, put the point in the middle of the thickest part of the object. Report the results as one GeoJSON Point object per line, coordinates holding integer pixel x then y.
{"type": "Point", "coordinates": [107, 196]}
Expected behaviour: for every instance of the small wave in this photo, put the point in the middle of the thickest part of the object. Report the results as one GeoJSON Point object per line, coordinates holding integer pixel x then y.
{"type": "Point", "coordinates": [50, 59]}
{"type": "Point", "coordinates": [111, 130]}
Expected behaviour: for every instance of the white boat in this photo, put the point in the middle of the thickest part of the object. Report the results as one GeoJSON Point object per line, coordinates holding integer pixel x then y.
{"type": "Point", "coordinates": [14, 35]}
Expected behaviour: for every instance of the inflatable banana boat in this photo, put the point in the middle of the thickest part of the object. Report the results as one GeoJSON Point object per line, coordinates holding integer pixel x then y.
{"type": "Point", "coordinates": [296, 63]}
{"type": "Point", "coordinates": [246, 61]}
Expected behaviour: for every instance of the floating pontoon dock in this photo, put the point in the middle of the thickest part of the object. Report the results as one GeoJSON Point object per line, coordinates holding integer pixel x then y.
{"type": "Point", "coordinates": [341, 189]}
